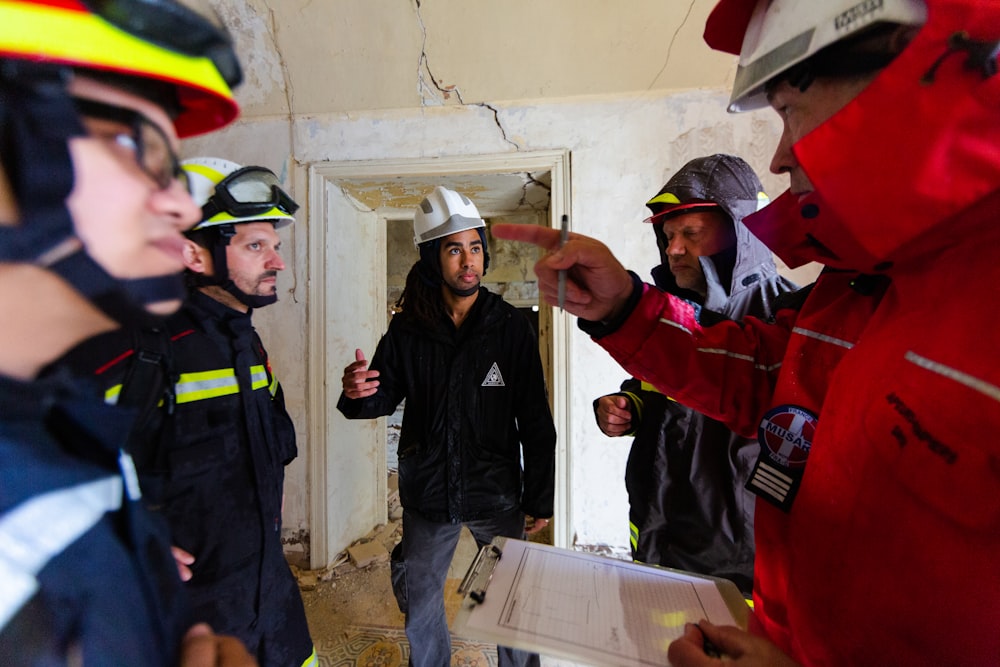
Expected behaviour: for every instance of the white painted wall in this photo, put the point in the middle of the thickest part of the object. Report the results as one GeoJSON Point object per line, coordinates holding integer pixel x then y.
{"type": "Point", "coordinates": [622, 150]}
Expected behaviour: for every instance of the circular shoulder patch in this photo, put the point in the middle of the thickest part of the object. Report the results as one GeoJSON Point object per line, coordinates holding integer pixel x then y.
{"type": "Point", "coordinates": [786, 435]}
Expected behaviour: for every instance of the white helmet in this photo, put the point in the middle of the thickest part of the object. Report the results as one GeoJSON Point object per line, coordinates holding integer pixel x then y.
{"type": "Point", "coordinates": [231, 194]}
{"type": "Point", "coordinates": [782, 33]}
{"type": "Point", "coordinates": [444, 212]}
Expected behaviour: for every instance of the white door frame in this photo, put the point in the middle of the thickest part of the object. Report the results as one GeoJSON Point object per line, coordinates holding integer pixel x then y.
{"type": "Point", "coordinates": [330, 530]}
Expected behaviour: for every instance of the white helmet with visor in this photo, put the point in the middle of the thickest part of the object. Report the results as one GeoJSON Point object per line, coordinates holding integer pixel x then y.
{"type": "Point", "coordinates": [783, 33]}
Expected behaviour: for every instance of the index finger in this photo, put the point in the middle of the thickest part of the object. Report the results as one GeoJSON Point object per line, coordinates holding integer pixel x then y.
{"type": "Point", "coordinates": [546, 237]}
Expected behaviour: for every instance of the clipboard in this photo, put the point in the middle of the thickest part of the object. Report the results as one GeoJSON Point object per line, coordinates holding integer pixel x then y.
{"type": "Point", "coordinates": [584, 607]}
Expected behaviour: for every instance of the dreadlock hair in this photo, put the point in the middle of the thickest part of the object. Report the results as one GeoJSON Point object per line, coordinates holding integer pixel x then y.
{"type": "Point", "coordinates": [421, 296]}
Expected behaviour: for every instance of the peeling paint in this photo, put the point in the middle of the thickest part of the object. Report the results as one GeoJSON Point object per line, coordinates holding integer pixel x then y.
{"type": "Point", "coordinates": [258, 53]}
{"type": "Point", "coordinates": [446, 91]}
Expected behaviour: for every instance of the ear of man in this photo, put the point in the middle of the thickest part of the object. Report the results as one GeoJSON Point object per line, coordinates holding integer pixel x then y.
{"type": "Point", "coordinates": [196, 258]}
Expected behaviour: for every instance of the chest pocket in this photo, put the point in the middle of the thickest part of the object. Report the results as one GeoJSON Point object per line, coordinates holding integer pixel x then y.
{"type": "Point", "coordinates": [205, 438]}
{"type": "Point", "coordinates": [950, 464]}
{"type": "Point", "coordinates": [206, 426]}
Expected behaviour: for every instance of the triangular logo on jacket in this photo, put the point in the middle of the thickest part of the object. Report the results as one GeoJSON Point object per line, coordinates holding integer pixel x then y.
{"type": "Point", "coordinates": [493, 378]}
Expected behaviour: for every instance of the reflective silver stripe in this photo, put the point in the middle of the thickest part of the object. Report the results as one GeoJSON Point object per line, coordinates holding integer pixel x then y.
{"type": "Point", "coordinates": [258, 377]}
{"type": "Point", "coordinates": [40, 528]}
{"type": "Point", "coordinates": [206, 384]}
{"type": "Point", "coordinates": [741, 357]}
{"type": "Point", "coordinates": [112, 394]}
{"type": "Point", "coordinates": [715, 350]}
{"type": "Point", "coordinates": [199, 386]}
{"type": "Point", "coordinates": [822, 337]}
{"type": "Point", "coordinates": [982, 386]}
{"type": "Point", "coordinates": [675, 324]}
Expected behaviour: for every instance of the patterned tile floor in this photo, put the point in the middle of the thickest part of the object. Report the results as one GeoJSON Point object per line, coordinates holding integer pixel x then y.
{"type": "Point", "coordinates": [355, 622]}
{"type": "Point", "coordinates": [386, 647]}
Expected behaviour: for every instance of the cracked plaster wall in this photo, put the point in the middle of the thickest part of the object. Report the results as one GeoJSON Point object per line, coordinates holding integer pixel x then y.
{"type": "Point", "coordinates": [437, 79]}
{"type": "Point", "coordinates": [622, 149]}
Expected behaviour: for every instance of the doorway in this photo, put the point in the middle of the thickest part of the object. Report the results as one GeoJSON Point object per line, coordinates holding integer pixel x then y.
{"type": "Point", "coordinates": [353, 207]}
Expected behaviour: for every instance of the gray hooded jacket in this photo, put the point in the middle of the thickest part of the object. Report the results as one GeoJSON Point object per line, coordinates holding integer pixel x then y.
{"type": "Point", "coordinates": [686, 473]}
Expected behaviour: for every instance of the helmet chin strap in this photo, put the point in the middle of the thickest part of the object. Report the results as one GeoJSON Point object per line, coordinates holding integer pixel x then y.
{"type": "Point", "coordinates": [123, 300]}
{"type": "Point", "coordinates": [38, 118]}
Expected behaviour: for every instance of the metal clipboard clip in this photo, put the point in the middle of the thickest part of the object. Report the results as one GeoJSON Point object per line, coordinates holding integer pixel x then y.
{"type": "Point", "coordinates": [477, 578]}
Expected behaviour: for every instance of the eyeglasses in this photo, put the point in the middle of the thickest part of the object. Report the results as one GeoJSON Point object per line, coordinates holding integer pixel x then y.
{"type": "Point", "coordinates": [248, 191]}
{"type": "Point", "coordinates": [152, 149]}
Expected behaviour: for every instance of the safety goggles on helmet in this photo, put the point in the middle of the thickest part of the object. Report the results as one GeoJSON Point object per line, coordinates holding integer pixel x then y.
{"type": "Point", "coordinates": [191, 27]}
{"type": "Point", "coordinates": [151, 147]}
{"type": "Point", "coordinates": [246, 192]}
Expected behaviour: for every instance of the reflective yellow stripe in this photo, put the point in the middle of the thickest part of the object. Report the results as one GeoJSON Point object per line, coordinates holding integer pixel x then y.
{"type": "Point", "coordinates": [112, 394]}
{"type": "Point", "coordinates": [648, 387]}
{"type": "Point", "coordinates": [213, 175]}
{"type": "Point", "coordinates": [312, 660]}
{"type": "Point", "coordinates": [192, 387]}
{"type": "Point", "coordinates": [199, 386]}
{"type": "Point", "coordinates": [79, 37]}
{"type": "Point", "coordinates": [665, 198]}
{"type": "Point", "coordinates": [258, 374]}
{"type": "Point", "coordinates": [213, 384]}
{"type": "Point", "coordinates": [633, 535]}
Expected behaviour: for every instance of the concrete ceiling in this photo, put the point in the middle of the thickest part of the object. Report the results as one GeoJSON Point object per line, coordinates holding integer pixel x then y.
{"type": "Point", "coordinates": [314, 57]}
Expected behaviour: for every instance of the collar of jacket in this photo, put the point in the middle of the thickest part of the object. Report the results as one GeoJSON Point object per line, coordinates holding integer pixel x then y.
{"type": "Point", "coordinates": [901, 159]}
{"type": "Point", "coordinates": [486, 313]}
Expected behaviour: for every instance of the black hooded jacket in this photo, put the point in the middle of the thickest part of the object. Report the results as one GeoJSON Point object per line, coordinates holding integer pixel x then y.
{"type": "Point", "coordinates": [475, 402]}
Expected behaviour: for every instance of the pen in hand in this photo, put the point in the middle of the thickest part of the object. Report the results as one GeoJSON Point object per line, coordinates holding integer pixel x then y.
{"type": "Point", "coordinates": [563, 237]}
{"type": "Point", "coordinates": [711, 650]}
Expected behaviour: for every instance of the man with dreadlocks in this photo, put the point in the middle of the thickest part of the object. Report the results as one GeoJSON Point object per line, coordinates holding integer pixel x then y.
{"type": "Point", "coordinates": [467, 364]}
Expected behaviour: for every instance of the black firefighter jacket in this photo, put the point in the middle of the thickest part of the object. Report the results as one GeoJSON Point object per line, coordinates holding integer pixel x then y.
{"type": "Point", "coordinates": [685, 474]}
{"type": "Point", "coordinates": [214, 466]}
{"type": "Point", "coordinates": [475, 399]}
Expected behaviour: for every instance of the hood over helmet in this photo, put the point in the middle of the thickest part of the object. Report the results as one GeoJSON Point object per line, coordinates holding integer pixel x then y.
{"type": "Point", "coordinates": [912, 151]}
{"type": "Point", "coordinates": [230, 194]}
{"type": "Point", "coordinates": [715, 181]}
{"type": "Point", "coordinates": [442, 213]}
{"type": "Point", "coordinates": [176, 48]}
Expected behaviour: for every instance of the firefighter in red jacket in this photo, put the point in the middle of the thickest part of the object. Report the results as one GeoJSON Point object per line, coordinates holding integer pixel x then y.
{"type": "Point", "coordinates": [877, 403]}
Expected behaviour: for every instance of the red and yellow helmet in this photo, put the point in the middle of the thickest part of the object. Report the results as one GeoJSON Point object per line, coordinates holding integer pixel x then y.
{"type": "Point", "coordinates": [179, 42]}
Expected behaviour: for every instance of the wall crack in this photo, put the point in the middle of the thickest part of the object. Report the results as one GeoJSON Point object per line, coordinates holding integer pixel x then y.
{"type": "Point", "coordinates": [670, 46]}
{"type": "Point", "coordinates": [433, 93]}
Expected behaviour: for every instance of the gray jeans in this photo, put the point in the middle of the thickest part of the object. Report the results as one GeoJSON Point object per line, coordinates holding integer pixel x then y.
{"type": "Point", "coordinates": [419, 569]}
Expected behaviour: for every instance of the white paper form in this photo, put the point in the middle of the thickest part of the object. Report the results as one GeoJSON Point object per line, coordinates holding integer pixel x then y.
{"type": "Point", "coordinates": [590, 608]}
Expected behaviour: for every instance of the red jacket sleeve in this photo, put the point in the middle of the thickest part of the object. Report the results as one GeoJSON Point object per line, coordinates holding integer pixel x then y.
{"type": "Point", "coordinates": [727, 370]}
